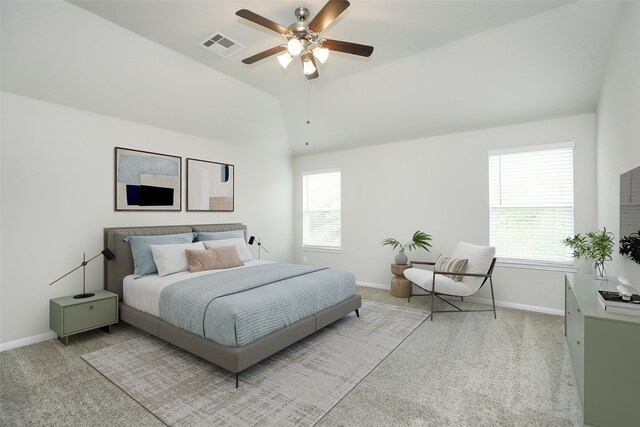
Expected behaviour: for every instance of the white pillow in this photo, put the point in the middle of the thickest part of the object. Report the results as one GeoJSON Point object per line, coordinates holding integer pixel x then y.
{"type": "Point", "coordinates": [172, 258]}
{"type": "Point", "coordinates": [241, 246]}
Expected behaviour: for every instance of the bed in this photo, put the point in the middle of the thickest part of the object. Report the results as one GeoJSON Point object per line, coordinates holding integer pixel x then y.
{"type": "Point", "coordinates": [233, 350]}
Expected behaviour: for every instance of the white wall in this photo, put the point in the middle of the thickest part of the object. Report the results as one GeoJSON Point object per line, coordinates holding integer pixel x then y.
{"type": "Point", "coordinates": [544, 66]}
{"type": "Point", "coordinates": [57, 189]}
{"type": "Point", "coordinates": [618, 145]}
{"type": "Point", "coordinates": [57, 52]}
{"type": "Point", "coordinates": [440, 186]}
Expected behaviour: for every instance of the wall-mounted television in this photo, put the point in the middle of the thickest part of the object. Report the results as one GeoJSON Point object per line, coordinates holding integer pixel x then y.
{"type": "Point", "coordinates": [630, 214]}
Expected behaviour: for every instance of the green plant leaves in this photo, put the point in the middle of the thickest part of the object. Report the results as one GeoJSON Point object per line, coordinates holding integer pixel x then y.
{"type": "Point", "coordinates": [420, 240]}
{"type": "Point", "coordinates": [595, 245]}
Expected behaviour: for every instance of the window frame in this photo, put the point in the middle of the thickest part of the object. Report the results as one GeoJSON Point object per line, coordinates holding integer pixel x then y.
{"type": "Point", "coordinates": [320, 248]}
{"type": "Point", "coordinates": [569, 266]}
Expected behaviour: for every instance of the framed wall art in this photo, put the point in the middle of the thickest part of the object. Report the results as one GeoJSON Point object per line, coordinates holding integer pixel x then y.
{"type": "Point", "coordinates": [210, 186]}
{"type": "Point", "coordinates": [147, 181]}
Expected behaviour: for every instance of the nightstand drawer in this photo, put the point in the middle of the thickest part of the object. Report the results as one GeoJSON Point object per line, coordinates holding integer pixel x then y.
{"type": "Point", "coordinates": [89, 315]}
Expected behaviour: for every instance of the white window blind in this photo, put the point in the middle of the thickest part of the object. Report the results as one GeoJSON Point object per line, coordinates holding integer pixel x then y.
{"type": "Point", "coordinates": [531, 204]}
{"type": "Point", "coordinates": [321, 210]}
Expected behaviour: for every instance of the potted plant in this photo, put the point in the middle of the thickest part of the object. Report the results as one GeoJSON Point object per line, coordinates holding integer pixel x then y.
{"type": "Point", "coordinates": [596, 246]}
{"type": "Point", "coordinates": [419, 240]}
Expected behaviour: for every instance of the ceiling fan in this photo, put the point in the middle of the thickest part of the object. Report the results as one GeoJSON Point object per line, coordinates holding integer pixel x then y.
{"type": "Point", "coordinates": [304, 39]}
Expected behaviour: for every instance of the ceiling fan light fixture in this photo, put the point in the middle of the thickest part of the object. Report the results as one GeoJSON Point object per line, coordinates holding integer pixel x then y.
{"type": "Point", "coordinates": [321, 54]}
{"type": "Point", "coordinates": [307, 67]}
{"type": "Point", "coordinates": [285, 59]}
{"type": "Point", "coordinates": [294, 47]}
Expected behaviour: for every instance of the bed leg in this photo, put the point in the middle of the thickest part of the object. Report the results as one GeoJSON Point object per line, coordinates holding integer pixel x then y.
{"type": "Point", "coordinates": [236, 380]}
{"type": "Point", "coordinates": [357, 313]}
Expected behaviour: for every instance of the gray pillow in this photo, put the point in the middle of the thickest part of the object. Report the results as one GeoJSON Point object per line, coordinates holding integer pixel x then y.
{"type": "Point", "coordinates": [220, 235]}
{"type": "Point", "coordinates": [452, 265]}
{"type": "Point", "coordinates": [143, 263]}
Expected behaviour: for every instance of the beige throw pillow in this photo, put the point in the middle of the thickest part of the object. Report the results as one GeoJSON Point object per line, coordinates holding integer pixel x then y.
{"type": "Point", "coordinates": [452, 265]}
{"type": "Point", "coordinates": [213, 258]}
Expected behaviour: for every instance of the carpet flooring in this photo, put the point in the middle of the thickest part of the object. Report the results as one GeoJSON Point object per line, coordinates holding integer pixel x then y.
{"type": "Point", "coordinates": [294, 387]}
{"type": "Point", "coordinates": [459, 370]}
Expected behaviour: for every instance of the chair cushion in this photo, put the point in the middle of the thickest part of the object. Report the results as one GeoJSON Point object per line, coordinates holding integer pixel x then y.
{"type": "Point", "coordinates": [454, 265]}
{"type": "Point", "coordinates": [479, 260]}
{"type": "Point", "coordinates": [424, 279]}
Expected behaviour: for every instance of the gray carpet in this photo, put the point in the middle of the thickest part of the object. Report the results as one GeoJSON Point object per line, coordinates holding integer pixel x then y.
{"type": "Point", "coordinates": [461, 369]}
{"type": "Point", "coordinates": [294, 387]}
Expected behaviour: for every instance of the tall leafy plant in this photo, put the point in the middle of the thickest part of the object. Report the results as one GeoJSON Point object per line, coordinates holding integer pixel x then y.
{"type": "Point", "coordinates": [595, 245]}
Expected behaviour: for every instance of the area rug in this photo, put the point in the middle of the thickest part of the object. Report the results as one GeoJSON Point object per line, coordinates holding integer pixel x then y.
{"type": "Point", "coordinates": [296, 386]}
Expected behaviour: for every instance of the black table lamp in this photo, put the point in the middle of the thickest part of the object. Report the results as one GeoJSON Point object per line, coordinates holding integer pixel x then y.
{"type": "Point", "coordinates": [107, 254]}
{"type": "Point", "coordinates": [252, 240]}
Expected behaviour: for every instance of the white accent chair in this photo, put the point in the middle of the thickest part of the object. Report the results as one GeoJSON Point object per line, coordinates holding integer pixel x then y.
{"type": "Point", "coordinates": [481, 260]}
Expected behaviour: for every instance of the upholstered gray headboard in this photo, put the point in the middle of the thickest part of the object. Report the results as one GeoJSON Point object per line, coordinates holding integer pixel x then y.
{"type": "Point", "coordinates": [122, 265]}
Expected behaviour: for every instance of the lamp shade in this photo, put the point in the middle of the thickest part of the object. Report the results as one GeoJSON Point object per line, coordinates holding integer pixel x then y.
{"type": "Point", "coordinates": [308, 67]}
{"type": "Point", "coordinates": [108, 254]}
{"type": "Point", "coordinates": [294, 47]}
{"type": "Point", "coordinates": [284, 59]}
{"type": "Point", "coordinates": [321, 54]}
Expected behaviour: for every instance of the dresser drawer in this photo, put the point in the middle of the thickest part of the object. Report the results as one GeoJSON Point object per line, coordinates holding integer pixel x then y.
{"type": "Point", "coordinates": [89, 315]}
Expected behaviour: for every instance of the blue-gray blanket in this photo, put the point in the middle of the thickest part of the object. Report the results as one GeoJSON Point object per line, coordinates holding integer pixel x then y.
{"type": "Point", "coordinates": [236, 307]}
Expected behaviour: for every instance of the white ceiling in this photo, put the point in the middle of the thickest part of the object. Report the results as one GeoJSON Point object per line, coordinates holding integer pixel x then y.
{"type": "Point", "coordinates": [396, 29]}
{"type": "Point", "coordinates": [438, 67]}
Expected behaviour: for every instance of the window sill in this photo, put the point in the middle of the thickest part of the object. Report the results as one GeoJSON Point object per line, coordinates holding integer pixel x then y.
{"type": "Point", "coordinates": [536, 266]}
{"type": "Point", "coordinates": [321, 249]}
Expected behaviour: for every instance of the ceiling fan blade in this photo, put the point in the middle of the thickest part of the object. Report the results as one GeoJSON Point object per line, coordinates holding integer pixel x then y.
{"type": "Point", "coordinates": [315, 74]}
{"type": "Point", "coordinates": [264, 54]}
{"type": "Point", "coordinates": [260, 20]}
{"type": "Point", "coordinates": [348, 47]}
{"type": "Point", "coordinates": [327, 14]}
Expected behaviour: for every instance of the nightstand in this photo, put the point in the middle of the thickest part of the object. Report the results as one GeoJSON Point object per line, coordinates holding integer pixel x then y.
{"type": "Point", "coordinates": [69, 316]}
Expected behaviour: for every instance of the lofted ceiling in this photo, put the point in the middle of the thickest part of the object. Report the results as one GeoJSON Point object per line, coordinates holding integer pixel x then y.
{"type": "Point", "coordinates": [396, 29]}
{"type": "Point", "coordinates": [439, 66]}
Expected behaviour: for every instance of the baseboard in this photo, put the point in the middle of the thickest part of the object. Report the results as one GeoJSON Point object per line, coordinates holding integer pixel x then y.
{"type": "Point", "coordinates": [26, 341]}
{"type": "Point", "coordinates": [373, 285]}
{"type": "Point", "coordinates": [506, 304]}
{"type": "Point", "coordinates": [525, 307]}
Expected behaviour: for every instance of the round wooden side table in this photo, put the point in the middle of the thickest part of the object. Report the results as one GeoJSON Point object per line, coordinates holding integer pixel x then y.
{"type": "Point", "coordinates": [400, 286]}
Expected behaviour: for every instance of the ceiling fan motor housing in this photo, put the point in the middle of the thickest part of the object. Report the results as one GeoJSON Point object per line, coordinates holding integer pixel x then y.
{"type": "Point", "coordinates": [301, 13]}
{"type": "Point", "coordinates": [300, 30]}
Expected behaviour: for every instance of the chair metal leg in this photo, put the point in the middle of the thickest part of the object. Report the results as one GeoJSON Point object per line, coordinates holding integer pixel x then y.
{"type": "Point", "coordinates": [433, 291]}
{"type": "Point", "coordinates": [357, 313]}
{"type": "Point", "coordinates": [236, 380]}
{"type": "Point", "coordinates": [493, 301]}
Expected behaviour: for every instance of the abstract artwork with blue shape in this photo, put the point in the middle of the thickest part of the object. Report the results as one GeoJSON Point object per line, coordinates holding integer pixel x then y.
{"type": "Point", "coordinates": [147, 181]}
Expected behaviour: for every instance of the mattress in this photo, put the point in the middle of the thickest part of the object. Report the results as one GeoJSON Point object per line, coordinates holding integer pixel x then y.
{"type": "Point", "coordinates": [143, 293]}
{"type": "Point", "coordinates": [220, 306]}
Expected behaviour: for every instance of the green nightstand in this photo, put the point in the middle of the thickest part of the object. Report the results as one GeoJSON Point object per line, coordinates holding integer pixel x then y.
{"type": "Point", "coordinates": [68, 316]}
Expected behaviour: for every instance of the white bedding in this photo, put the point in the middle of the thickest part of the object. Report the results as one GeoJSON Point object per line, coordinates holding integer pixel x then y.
{"type": "Point", "coordinates": [144, 293]}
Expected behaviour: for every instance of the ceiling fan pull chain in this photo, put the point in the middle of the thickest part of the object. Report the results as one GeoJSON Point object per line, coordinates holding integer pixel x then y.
{"type": "Point", "coordinates": [308, 121]}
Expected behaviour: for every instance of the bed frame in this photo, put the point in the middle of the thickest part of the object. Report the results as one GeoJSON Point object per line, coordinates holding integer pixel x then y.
{"type": "Point", "coordinates": [234, 359]}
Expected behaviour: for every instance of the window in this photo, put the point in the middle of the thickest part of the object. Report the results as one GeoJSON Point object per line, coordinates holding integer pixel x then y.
{"type": "Point", "coordinates": [321, 215]}
{"type": "Point", "coordinates": [531, 204]}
